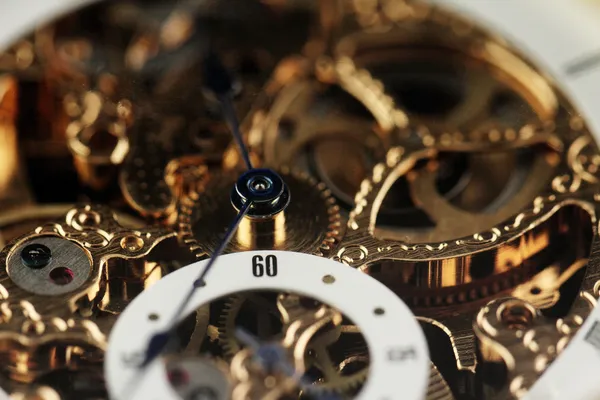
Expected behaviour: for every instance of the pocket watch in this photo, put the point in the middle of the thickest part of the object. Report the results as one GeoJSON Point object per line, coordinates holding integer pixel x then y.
{"type": "Point", "coordinates": [296, 199]}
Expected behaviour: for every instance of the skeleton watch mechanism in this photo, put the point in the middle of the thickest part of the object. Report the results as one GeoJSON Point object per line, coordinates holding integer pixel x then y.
{"type": "Point", "coordinates": [295, 199]}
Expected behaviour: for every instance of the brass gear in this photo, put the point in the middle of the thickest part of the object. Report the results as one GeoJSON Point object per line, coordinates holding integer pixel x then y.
{"type": "Point", "coordinates": [290, 130]}
{"type": "Point", "coordinates": [340, 383]}
{"type": "Point", "coordinates": [310, 224]}
{"type": "Point", "coordinates": [438, 388]}
{"type": "Point", "coordinates": [227, 321]}
{"type": "Point", "coordinates": [336, 381]}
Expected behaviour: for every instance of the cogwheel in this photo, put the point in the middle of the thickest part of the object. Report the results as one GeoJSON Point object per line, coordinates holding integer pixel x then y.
{"type": "Point", "coordinates": [266, 313]}
{"type": "Point", "coordinates": [263, 316]}
{"type": "Point", "coordinates": [438, 388]}
{"type": "Point", "coordinates": [310, 224]}
{"type": "Point", "coordinates": [338, 150]}
{"type": "Point", "coordinates": [356, 361]}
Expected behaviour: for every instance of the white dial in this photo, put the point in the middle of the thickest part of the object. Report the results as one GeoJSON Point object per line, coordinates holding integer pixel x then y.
{"type": "Point", "coordinates": [574, 374]}
{"type": "Point", "coordinates": [16, 19]}
{"type": "Point", "coordinates": [399, 362]}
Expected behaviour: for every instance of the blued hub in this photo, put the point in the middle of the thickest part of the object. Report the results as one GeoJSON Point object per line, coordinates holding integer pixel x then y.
{"type": "Point", "coordinates": [265, 189]}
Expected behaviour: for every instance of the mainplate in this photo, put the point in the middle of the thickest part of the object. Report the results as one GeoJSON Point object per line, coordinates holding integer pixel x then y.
{"type": "Point", "coordinates": [432, 155]}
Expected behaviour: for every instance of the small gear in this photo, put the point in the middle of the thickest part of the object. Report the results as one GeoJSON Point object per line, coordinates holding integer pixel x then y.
{"type": "Point", "coordinates": [438, 388]}
{"type": "Point", "coordinates": [348, 375]}
{"type": "Point", "coordinates": [259, 312]}
{"type": "Point", "coordinates": [265, 313]}
{"type": "Point", "coordinates": [310, 224]}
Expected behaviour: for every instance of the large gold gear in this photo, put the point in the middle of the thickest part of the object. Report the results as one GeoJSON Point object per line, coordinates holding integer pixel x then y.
{"type": "Point", "coordinates": [287, 128]}
{"type": "Point", "coordinates": [310, 224]}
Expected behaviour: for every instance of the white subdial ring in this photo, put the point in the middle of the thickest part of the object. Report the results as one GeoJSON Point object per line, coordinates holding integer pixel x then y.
{"type": "Point", "coordinates": [399, 361]}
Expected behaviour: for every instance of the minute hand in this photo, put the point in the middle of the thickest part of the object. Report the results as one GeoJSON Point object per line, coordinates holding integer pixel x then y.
{"type": "Point", "coordinates": [220, 82]}
{"type": "Point", "coordinates": [159, 341]}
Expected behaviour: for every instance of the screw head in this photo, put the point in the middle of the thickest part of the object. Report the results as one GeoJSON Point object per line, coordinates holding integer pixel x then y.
{"type": "Point", "coordinates": [265, 189]}
{"type": "Point", "coordinates": [36, 256]}
{"type": "Point", "coordinates": [259, 184]}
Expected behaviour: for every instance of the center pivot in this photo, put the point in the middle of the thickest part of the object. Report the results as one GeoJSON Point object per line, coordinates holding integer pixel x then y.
{"type": "Point", "coordinates": [265, 189]}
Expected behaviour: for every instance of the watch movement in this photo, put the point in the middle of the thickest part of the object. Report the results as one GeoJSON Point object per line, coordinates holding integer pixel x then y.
{"type": "Point", "coordinates": [299, 199]}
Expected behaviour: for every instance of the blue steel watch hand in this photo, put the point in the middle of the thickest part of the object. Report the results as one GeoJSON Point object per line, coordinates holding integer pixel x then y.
{"type": "Point", "coordinates": [219, 81]}
{"type": "Point", "coordinates": [272, 357]}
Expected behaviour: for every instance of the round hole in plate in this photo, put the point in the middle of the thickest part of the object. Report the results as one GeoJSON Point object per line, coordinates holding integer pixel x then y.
{"type": "Point", "coordinates": [153, 317]}
{"type": "Point", "coordinates": [132, 243]}
{"type": "Point", "coordinates": [329, 279]}
{"type": "Point", "coordinates": [61, 275]}
{"type": "Point", "coordinates": [535, 290]}
{"type": "Point", "coordinates": [516, 316]}
{"type": "Point", "coordinates": [379, 311]}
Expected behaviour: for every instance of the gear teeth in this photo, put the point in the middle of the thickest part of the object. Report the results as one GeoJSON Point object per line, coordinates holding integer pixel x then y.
{"type": "Point", "coordinates": [333, 236]}
{"type": "Point", "coordinates": [227, 318]}
{"type": "Point", "coordinates": [226, 322]}
{"type": "Point", "coordinates": [467, 295]}
{"type": "Point", "coordinates": [344, 384]}
{"type": "Point", "coordinates": [349, 382]}
{"type": "Point", "coordinates": [438, 388]}
{"type": "Point", "coordinates": [331, 230]}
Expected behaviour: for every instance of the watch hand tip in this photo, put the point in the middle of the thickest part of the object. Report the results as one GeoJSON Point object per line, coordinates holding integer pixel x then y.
{"type": "Point", "coordinates": [218, 79]}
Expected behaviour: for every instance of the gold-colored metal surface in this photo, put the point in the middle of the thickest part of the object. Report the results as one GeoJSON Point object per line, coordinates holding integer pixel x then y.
{"type": "Point", "coordinates": [464, 230]}
{"type": "Point", "coordinates": [311, 223]}
{"type": "Point", "coordinates": [342, 372]}
{"type": "Point", "coordinates": [306, 330]}
{"type": "Point", "coordinates": [315, 340]}
{"type": "Point", "coordinates": [438, 388]}
{"type": "Point", "coordinates": [289, 130]}
{"type": "Point", "coordinates": [515, 332]}
{"type": "Point", "coordinates": [426, 152]}
{"type": "Point", "coordinates": [41, 333]}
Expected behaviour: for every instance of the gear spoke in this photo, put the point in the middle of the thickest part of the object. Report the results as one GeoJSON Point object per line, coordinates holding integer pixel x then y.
{"type": "Point", "coordinates": [325, 364]}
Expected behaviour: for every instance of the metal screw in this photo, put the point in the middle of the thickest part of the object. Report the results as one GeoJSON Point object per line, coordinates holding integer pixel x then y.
{"type": "Point", "coordinates": [259, 184]}
{"type": "Point", "coordinates": [265, 189]}
{"type": "Point", "coordinates": [36, 256]}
